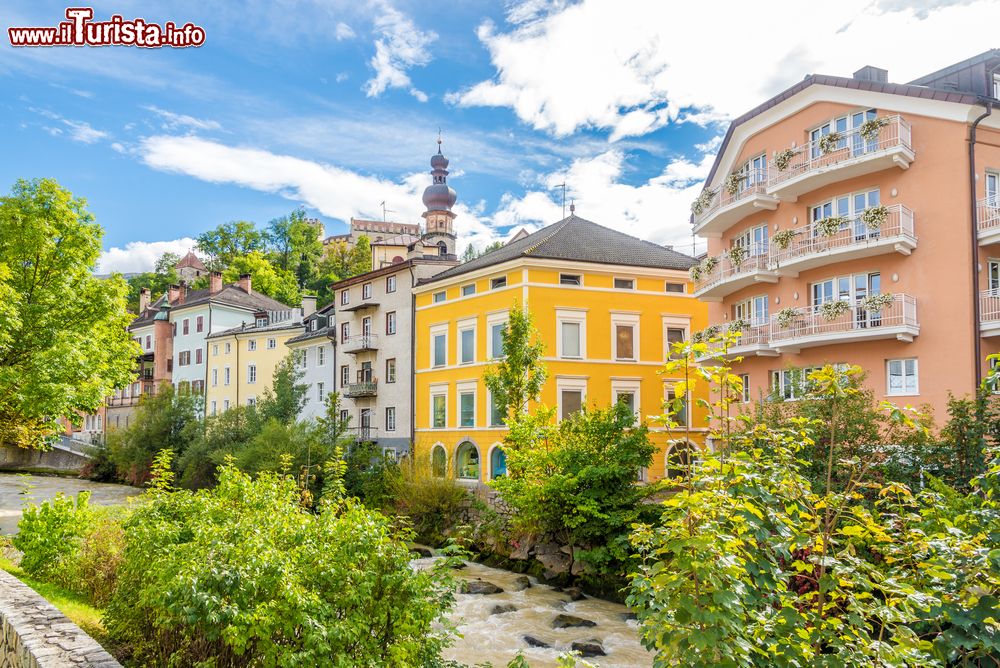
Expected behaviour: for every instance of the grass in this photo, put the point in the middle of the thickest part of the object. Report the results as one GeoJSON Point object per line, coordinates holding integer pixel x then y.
{"type": "Point", "coordinates": [71, 604]}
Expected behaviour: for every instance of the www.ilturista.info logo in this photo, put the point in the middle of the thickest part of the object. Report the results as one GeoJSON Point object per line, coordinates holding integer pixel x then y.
{"type": "Point", "coordinates": [80, 30]}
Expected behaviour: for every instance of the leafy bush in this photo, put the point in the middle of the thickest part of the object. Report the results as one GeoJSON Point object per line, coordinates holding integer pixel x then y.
{"type": "Point", "coordinates": [433, 505]}
{"type": "Point", "coordinates": [50, 533]}
{"type": "Point", "coordinates": [371, 476]}
{"type": "Point", "coordinates": [93, 569]}
{"type": "Point", "coordinates": [242, 574]}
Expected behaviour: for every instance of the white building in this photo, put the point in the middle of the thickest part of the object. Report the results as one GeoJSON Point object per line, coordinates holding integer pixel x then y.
{"type": "Point", "coordinates": [316, 360]}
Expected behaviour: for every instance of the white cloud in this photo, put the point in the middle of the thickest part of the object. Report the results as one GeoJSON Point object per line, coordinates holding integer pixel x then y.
{"type": "Point", "coordinates": [139, 256]}
{"type": "Point", "coordinates": [400, 46]}
{"type": "Point", "coordinates": [598, 64]}
{"type": "Point", "coordinates": [173, 121]}
{"type": "Point", "coordinates": [343, 31]}
{"type": "Point", "coordinates": [82, 131]}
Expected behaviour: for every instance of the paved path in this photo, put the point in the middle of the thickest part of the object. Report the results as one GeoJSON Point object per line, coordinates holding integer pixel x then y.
{"type": "Point", "coordinates": [46, 487]}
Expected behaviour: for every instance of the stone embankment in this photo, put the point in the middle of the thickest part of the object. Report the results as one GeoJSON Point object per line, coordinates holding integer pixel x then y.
{"type": "Point", "coordinates": [33, 634]}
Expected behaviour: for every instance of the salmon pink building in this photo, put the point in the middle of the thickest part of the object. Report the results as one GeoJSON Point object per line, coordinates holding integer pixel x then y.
{"type": "Point", "coordinates": [857, 221]}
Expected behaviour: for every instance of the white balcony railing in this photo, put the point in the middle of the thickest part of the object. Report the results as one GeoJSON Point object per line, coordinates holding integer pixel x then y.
{"type": "Point", "coordinates": [752, 184]}
{"type": "Point", "coordinates": [809, 327]}
{"type": "Point", "coordinates": [359, 343]}
{"type": "Point", "coordinates": [988, 218]}
{"type": "Point", "coordinates": [989, 312]}
{"type": "Point", "coordinates": [725, 270]}
{"type": "Point", "coordinates": [362, 389]}
{"type": "Point", "coordinates": [851, 148]}
{"type": "Point", "coordinates": [896, 233]}
{"type": "Point", "coordinates": [758, 334]}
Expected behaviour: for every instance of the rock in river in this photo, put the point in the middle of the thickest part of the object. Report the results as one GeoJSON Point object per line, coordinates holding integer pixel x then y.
{"type": "Point", "coordinates": [588, 648]}
{"type": "Point", "coordinates": [570, 622]}
{"type": "Point", "coordinates": [478, 586]}
{"type": "Point", "coordinates": [531, 641]}
{"type": "Point", "coordinates": [521, 583]}
{"type": "Point", "coordinates": [502, 608]}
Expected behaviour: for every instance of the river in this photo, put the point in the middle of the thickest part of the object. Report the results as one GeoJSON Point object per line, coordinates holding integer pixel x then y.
{"type": "Point", "coordinates": [12, 499]}
{"type": "Point", "coordinates": [484, 636]}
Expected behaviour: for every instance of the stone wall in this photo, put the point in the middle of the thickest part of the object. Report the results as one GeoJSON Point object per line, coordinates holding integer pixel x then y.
{"type": "Point", "coordinates": [57, 459]}
{"type": "Point", "coordinates": [33, 634]}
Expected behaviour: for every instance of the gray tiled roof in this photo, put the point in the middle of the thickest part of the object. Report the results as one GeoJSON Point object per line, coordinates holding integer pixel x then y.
{"type": "Point", "coordinates": [578, 240]}
{"type": "Point", "coordinates": [294, 323]}
{"type": "Point", "coordinates": [322, 332]}
{"type": "Point", "coordinates": [232, 295]}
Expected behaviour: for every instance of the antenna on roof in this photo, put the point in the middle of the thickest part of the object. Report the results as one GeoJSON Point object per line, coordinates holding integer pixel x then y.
{"type": "Point", "coordinates": [385, 210]}
{"type": "Point", "coordinates": [563, 186]}
{"type": "Point", "coordinates": [572, 207]}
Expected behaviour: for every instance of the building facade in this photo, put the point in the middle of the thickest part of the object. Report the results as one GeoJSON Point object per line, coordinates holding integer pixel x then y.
{"type": "Point", "coordinates": [315, 350]}
{"type": "Point", "coordinates": [848, 222]}
{"type": "Point", "coordinates": [607, 307]}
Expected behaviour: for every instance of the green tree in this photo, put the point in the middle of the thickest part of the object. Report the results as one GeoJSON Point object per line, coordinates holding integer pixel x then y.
{"type": "Point", "coordinates": [64, 345]}
{"type": "Point", "coordinates": [296, 246]}
{"type": "Point", "coordinates": [157, 281]}
{"type": "Point", "coordinates": [229, 241]}
{"type": "Point", "coordinates": [283, 401]}
{"type": "Point", "coordinates": [166, 263]}
{"type": "Point", "coordinates": [519, 376]}
{"type": "Point", "coordinates": [471, 253]}
{"type": "Point", "coordinates": [272, 281]}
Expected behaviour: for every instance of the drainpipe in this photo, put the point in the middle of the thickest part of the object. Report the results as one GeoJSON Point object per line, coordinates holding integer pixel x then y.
{"type": "Point", "coordinates": [413, 364]}
{"type": "Point", "coordinates": [976, 337]}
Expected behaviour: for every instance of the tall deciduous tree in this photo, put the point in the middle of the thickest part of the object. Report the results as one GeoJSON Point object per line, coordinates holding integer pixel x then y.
{"type": "Point", "coordinates": [229, 241]}
{"type": "Point", "coordinates": [63, 339]}
{"type": "Point", "coordinates": [272, 281]}
{"type": "Point", "coordinates": [519, 376]}
{"type": "Point", "coordinates": [296, 246]}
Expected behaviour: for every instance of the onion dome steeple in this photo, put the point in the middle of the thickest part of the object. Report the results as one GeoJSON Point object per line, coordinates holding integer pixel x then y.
{"type": "Point", "coordinates": [439, 198]}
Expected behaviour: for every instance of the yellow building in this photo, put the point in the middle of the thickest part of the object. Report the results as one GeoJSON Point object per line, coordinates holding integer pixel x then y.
{"type": "Point", "coordinates": [242, 360]}
{"type": "Point", "coordinates": [606, 305]}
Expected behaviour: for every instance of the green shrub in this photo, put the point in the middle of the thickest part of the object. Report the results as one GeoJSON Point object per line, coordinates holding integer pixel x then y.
{"type": "Point", "coordinates": [50, 533]}
{"type": "Point", "coordinates": [93, 569]}
{"type": "Point", "coordinates": [242, 574]}
{"type": "Point", "coordinates": [433, 505]}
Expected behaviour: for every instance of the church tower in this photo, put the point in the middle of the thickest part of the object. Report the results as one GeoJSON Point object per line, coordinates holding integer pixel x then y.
{"type": "Point", "coordinates": [439, 197]}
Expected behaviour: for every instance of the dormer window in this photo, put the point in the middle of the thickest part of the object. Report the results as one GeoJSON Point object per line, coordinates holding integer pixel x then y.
{"type": "Point", "coordinates": [261, 321]}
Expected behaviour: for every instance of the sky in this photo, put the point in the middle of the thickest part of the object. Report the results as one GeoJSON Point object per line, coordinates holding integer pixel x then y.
{"type": "Point", "coordinates": [336, 105]}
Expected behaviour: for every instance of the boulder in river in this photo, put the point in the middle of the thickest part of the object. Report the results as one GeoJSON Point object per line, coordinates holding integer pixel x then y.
{"type": "Point", "coordinates": [502, 608]}
{"type": "Point", "coordinates": [629, 616]}
{"type": "Point", "coordinates": [478, 586]}
{"type": "Point", "coordinates": [532, 641]}
{"type": "Point", "coordinates": [574, 593]}
{"type": "Point", "coordinates": [588, 648]}
{"type": "Point", "coordinates": [570, 622]}
{"type": "Point", "coordinates": [521, 583]}
{"type": "Point", "coordinates": [420, 550]}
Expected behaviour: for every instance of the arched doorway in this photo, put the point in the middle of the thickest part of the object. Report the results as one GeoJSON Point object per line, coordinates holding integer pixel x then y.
{"type": "Point", "coordinates": [677, 460]}
{"type": "Point", "coordinates": [498, 462]}
{"type": "Point", "coordinates": [439, 461]}
{"type": "Point", "coordinates": [467, 461]}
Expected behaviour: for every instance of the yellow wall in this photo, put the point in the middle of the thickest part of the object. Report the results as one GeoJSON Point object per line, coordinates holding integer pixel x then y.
{"type": "Point", "coordinates": [238, 360]}
{"type": "Point", "coordinates": [596, 300]}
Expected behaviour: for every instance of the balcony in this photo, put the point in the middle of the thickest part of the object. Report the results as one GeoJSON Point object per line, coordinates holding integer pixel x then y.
{"type": "Point", "coordinates": [361, 306]}
{"type": "Point", "coordinates": [361, 389]}
{"type": "Point", "coordinates": [989, 312]}
{"type": "Point", "coordinates": [725, 208]}
{"type": "Point", "coordinates": [810, 167]}
{"type": "Point", "coordinates": [754, 340]}
{"type": "Point", "coordinates": [360, 343]}
{"type": "Point", "coordinates": [988, 219]}
{"type": "Point", "coordinates": [726, 277]}
{"type": "Point", "coordinates": [809, 327]}
{"type": "Point", "coordinates": [363, 434]}
{"type": "Point", "coordinates": [811, 248]}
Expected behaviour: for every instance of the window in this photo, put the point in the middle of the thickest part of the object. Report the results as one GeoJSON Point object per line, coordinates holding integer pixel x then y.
{"type": "Point", "coordinates": [366, 291]}
{"type": "Point", "coordinates": [251, 401]}
{"type": "Point", "coordinates": [390, 418]}
{"type": "Point", "coordinates": [272, 344]}
{"type": "Point", "coordinates": [902, 377]}
{"type": "Point", "coordinates": [745, 382]}
{"type": "Point", "coordinates": [496, 329]}
{"type": "Point", "coordinates": [303, 358]}
{"type": "Point", "coordinates": [229, 347]}
{"type": "Point", "coordinates": [225, 376]}
{"type": "Point", "coordinates": [197, 356]}
{"type": "Point", "coordinates": [215, 350]}
{"type": "Point", "coordinates": [753, 310]}
{"type": "Point", "coordinates": [675, 335]}
{"type": "Point", "coordinates": [467, 409]}
{"type": "Point", "coordinates": [570, 279]}
{"type": "Point", "coordinates": [252, 345]}
{"type": "Point", "coordinates": [261, 321]}
{"type": "Point", "coordinates": [390, 370]}
{"type": "Point", "coordinates": [184, 358]}
{"type": "Point", "coordinates": [345, 375]}
{"type": "Point", "coordinates": [792, 384]}
{"type": "Point", "coordinates": [467, 461]}
{"type": "Point", "coordinates": [439, 461]}
{"type": "Point", "coordinates": [215, 377]}
{"type": "Point", "coordinates": [345, 331]}
{"type": "Point", "coordinates": [680, 414]}
{"type": "Point", "coordinates": [498, 282]}
{"type": "Point", "coordinates": [439, 350]}
{"type": "Point", "coordinates": [345, 297]}
{"type": "Point", "coordinates": [320, 355]}
{"type": "Point", "coordinates": [570, 403]}
{"type": "Point", "coordinates": [390, 322]}
{"type": "Point", "coordinates": [498, 462]}
{"type": "Point", "coordinates": [992, 189]}
{"type": "Point", "coordinates": [186, 326]}
{"type": "Point", "coordinates": [148, 341]}
{"type": "Point", "coordinates": [754, 240]}
{"type": "Point", "coordinates": [468, 290]}
{"type": "Point", "coordinates": [251, 374]}
{"type": "Point", "coordinates": [467, 344]}
{"type": "Point", "coordinates": [214, 408]}
{"type": "Point", "coordinates": [225, 404]}
{"type": "Point", "coordinates": [439, 410]}
{"type": "Point", "coordinates": [572, 328]}
{"type": "Point", "coordinates": [320, 392]}
{"type": "Point", "coordinates": [627, 397]}
{"type": "Point", "coordinates": [390, 284]}
{"type": "Point", "coordinates": [843, 125]}
{"type": "Point", "coordinates": [497, 417]}
{"type": "Point", "coordinates": [345, 417]}
{"type": "Point", "coordinates": [670, 286]}
{"type": "Point", "coordinates": [199, 324]}
{"type": "Point", "coordinates": [625, 284]}
{"type": "Point", "coordinates": [625, 333]}
{"type": "Point", "coordinates": [678, 460]}
{"type": "Point", "coordinates": [440, 296]}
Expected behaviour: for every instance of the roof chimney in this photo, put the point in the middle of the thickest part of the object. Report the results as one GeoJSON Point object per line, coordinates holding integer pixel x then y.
{"type": "Point", "coordinates": [869, 73]}
{"type": "Point", "coordinates": [308, 305]}
{"type": "Point", "coordinates": [215, 282]}
{"type": "Point", "coordinates": [174, 294]}
{"type": "Point", "coordinates": [143, 300]}
{"type": "Point", "coordinates": [245, 283]}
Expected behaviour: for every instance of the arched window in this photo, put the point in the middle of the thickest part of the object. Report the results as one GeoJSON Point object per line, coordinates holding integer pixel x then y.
{"type": "Point", "coordinates": [467, 461]}
{"type": "Point", "coordinates": [442, 248]}
{"type": "Point", "coordinates": [678, 459]}
{"type": "Point", "coordinates": [439, 461]}
{"type": "Point", "coordinates": [396, 259]}
{"type": "Point", "coordinates": [498, 462]}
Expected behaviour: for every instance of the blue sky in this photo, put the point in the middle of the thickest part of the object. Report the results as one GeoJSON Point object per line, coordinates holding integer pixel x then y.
{"type": "Point", "coordinates": [335, 106]}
